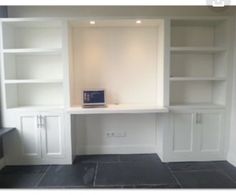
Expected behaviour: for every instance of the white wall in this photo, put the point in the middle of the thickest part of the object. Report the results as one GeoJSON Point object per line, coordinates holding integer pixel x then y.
{"type": "Point", "coordinates": [140, 134]}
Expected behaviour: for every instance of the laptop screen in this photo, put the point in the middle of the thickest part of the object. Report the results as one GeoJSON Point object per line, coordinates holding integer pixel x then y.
{"type": "Point", "coordinates": [93, 97]}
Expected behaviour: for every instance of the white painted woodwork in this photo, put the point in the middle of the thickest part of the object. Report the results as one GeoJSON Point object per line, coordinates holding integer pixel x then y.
{"type": "Point", "coordinates": [198, 33]}
{"type": "Point", "coordinates": [183, 133]}
{"type": "Point", "coordinates": [34, 66]}
{"type": "Point", "coordinates": [30, 136]}
{"type": "Point", "coordinates": [198, 53]}
{"type": "Point", "coordinates": [196, 136]}
{"type": "Point", "coordinates": [32, 63]}
{"type": "Point", "coordinates": [42, 136]}
{"type": "Point", "coordinates": [22, 95]}
{"type": "Point", "coordinates": [211, 126]}
{"type": "Point", "coordinates": [31, 35]}
{"type": "Point", "coordinates": [120, 108]}
{"type": "Point", "coordinates": [53, 135]}
{"type": "Point", "coordinates": [175, 64]}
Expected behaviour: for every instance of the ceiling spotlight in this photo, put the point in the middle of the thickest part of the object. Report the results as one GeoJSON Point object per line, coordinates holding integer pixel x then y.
{"type": "Point", "coordinates": [92, 22]}
{"type": "Point", "coordinates": [138, 22]}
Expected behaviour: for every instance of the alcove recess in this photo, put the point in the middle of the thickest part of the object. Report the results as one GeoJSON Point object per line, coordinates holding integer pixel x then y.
{"type": "Point", "coordinates": [122, 57]}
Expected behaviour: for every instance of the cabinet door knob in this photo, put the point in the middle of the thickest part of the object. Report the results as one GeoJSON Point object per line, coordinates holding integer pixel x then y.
{"type": "Point", "coordinates": [42, 121]}
{"type": "Point", "coordinates": [38, 122]}
{"type": "Point", "coordinates": [200, 119]}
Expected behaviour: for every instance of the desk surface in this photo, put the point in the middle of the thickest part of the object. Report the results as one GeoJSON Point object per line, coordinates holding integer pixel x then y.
{"type": "Point", "coordinates": [112, 108]}
{"type": "Point", "coordinates": [4, 131]}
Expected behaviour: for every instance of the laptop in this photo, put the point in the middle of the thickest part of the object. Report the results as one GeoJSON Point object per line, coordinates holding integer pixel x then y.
{"type": "Point", "coordinates": [94, 98]}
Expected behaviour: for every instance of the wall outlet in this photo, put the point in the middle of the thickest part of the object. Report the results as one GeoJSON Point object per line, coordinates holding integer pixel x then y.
{"type": "Point", "coordinates": [115, 134]}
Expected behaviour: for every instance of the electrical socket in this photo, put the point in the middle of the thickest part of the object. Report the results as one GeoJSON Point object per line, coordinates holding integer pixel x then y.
{"type": "Point", "coordinates": [115, 134]}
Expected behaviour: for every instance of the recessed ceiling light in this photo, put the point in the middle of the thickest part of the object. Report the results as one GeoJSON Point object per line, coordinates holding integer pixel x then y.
{"type": "Point", "coordinates": [138, 22]}
{"type": "Point", "coordinates": [92, 22]}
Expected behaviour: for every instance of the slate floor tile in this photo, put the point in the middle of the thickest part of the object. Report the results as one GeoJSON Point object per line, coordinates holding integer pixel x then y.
{"type": "Point", "coordinates": [227, 168]}
{"type": "Point", "coordinates": [139, 158]}
{"type": "Point", "coordinates": [96, 158]}
{"type": "Point", "coordinates": [191, 166]}
{"type": "Point", "coordinates": [204, 179]}
{"type": "Point", "coordinates": [133, 173]}
{"type": "Point", "coordinates": [67, 175]}
{"type": "Point", "coordinates": [34, 169]}
{"type": "Point", "coordinates": [19, 180]}
{"type": "Point", "coordinates": [157, 186]}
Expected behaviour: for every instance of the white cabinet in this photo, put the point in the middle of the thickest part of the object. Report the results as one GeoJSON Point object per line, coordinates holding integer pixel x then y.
{"type": "Point", "coordinates": [210, 128]}
{"type": "Point", "coordinates": [182, 129]}
{"type": "Point", "coordinates": [52, 134]}
{"type": "Point", "coordinates": [42, 136]}
{"type": "Point", "coordinates": [29, 136]}
{"type": "Point", "coordinates": [196, 136]}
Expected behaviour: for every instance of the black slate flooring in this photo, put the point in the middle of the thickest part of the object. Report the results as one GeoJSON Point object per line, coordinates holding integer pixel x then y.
{"type": "Point", "coordinates": [121, 171]}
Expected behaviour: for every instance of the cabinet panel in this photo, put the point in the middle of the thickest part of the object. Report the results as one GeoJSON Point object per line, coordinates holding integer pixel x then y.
{"type": "Point", "coordinates": [196, 136]}
{"type": "Point", "coordinates": [210, 132]}
{"type": "Point", "coordinates": [30, 136]}
{"type": "Point", "coordinates": [53, 135]}
{"type": "Point", "coordinates": [183, 132]}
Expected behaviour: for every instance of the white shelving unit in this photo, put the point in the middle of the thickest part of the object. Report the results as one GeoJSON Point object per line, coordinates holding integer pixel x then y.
{"type": "Point", "coordinates": [161, 78]}
{"type": "Point", "coordinates": [31, 34]}
{"type": "Point", "coordinates": [198, 62]}
{"type": "Point", "coordinates": [195, 129]}
{"type": "Point", "coordinates": [32, 63]}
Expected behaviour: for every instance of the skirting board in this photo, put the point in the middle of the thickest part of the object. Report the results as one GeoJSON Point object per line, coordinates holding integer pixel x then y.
{"type": "Point", "coordinates": [232, 159]}
{"type": "Point", "coordinates": [2, 164]}
{"type": "Point", "coordinates": [116, 149]}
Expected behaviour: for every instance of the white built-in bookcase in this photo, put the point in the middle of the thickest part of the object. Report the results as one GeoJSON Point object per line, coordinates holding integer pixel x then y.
{"type": "Point", "coordinates": [198, 62]}
{"type": "Point", "coordinates": [32, 63]}
{"type": "Point", "coordinates": [126, 59]}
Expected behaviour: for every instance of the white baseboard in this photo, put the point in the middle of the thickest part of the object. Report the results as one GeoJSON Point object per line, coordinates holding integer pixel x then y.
{"type": "Point", "coordinates": [116, 149]}
{"type": "Point", "coordinates": [232, 159]}
{"type": "Point", "coordinates": [2, 164]}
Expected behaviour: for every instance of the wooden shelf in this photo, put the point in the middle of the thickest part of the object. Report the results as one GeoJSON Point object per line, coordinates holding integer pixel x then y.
{"type": "Point", "coordinates": [33, 81]}
{"type": "Point", "coordinates": [122, 108]}
{"type": "Point", "coordinates": [197, 105]}
{"type": "Point", "coordinates": [33, 51]}
{"type": "Point", "coordinates": [197, 49]}
{"type": "Point", "coordinates": [38, 108]}
{"type": "Point", "coordinates": [197, 79]}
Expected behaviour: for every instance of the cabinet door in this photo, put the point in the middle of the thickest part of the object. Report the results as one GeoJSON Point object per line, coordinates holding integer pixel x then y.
{"type": "Point", "coordinates": [53, 138]}
{"type": "Point", "coordinates": [210, 135]}
{"type": "Point", "coordinates": [30, 136]}
{"type": "Point", "coordinates": [182, 134]}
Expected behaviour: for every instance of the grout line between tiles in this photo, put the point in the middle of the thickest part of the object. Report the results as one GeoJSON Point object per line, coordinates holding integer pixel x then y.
{"type": "Point", "coordinates": [95, 174]}
{"type": "Point", "coordinates": [42, 176]}
{"type": "Point", "coordinates": [176, 179]}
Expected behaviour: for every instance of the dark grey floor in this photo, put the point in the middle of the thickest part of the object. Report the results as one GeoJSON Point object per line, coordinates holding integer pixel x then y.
{"type": "Point", "coordinates": [121, 171]}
